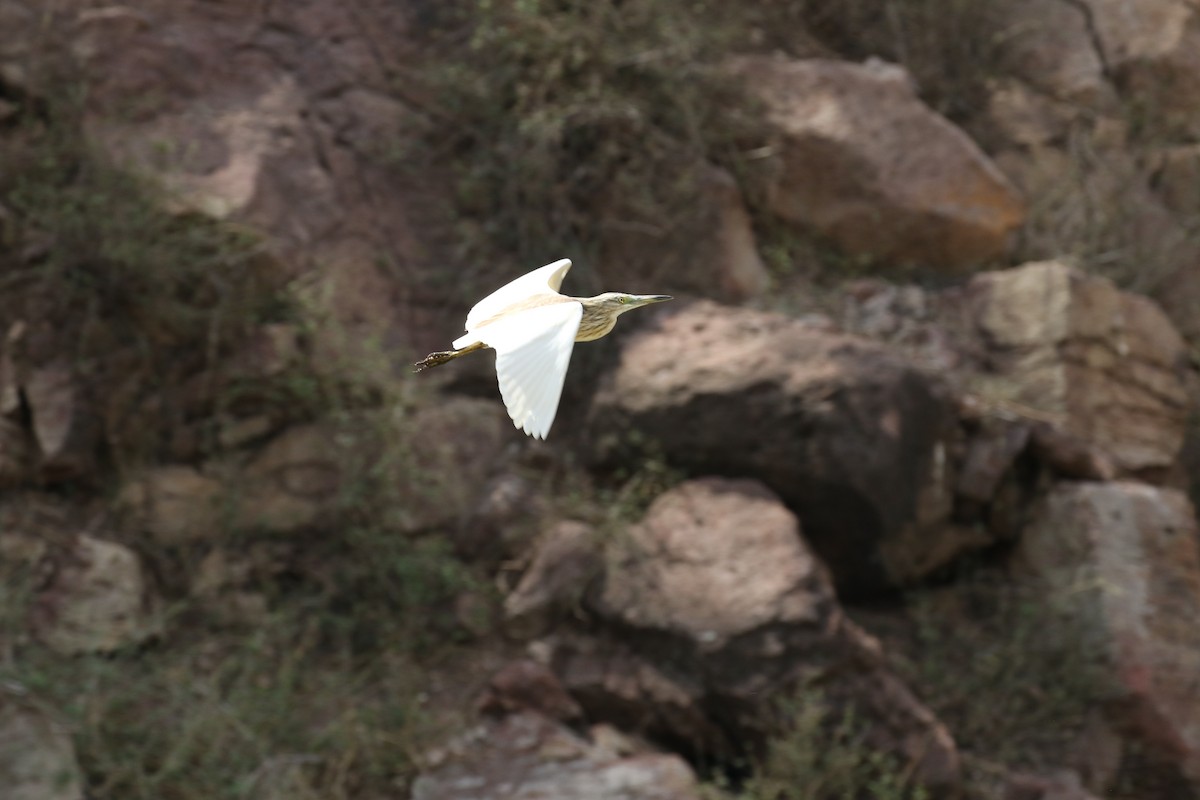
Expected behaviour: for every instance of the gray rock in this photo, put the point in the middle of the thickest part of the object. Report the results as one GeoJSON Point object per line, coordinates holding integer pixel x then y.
{"type": "Point", "coordinates": [1123, 561]}
{"type": "Point", "coordinates": [526, 756]}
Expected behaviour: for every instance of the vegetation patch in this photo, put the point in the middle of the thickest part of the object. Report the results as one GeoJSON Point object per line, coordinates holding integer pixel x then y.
{"type": "Point", "coordinates": [572, 119]}
{"type": "Point", "coordinates": [97, 271]}
{"type": "Point", "coordinates": [316, 680]}
{"type": "Point", "coordinates": [1012, 676]}
{"type": "Point", "coordinates": [821, 754]}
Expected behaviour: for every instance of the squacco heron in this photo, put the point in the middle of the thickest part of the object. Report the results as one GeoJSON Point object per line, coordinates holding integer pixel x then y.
{"type": "Point", "coordinates": [533, 328]}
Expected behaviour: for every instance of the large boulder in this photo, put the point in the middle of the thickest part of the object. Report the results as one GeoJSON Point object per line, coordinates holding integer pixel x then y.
{"type": "Point", "coordinates": [1102, 365]}
{"type": "Point", "coordinates": [1123, 561]}
{"type": "Point", "coordinates": [863, 161]}
{"type": "Point", "coordinates": [525, 756]}
{"type": "Point", "coordinates": [853, 438]}
{"type": "Point", "coordinates": [99, 599]}
{"type": "Point", "coordinates": [719, 562]}
{"type": "Point", "coordinates": [721, 610]}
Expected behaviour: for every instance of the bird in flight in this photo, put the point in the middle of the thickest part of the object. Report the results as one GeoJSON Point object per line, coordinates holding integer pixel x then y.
{"type": "Point", "coordinates": [533, 328]}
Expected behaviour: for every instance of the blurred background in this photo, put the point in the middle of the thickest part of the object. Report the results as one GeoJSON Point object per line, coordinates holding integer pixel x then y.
{"type": "Point", "coordinates": [895, 500]}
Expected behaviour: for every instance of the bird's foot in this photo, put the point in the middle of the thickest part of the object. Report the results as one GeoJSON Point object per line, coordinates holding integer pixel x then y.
{"type": "Point", "coordinates": [435, 360]}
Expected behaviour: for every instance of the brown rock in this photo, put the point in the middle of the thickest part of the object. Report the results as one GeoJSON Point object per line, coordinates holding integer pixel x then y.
{"type": "Point", "coordinates": [449, 451]}
{"type": "Point", "coordinates": [990, 455]}
{"type": "Point", "coordinates": [1049, 45]}
{"type": "Point", "coordinates": [709, 251]}
{"type": "Point", "coordinates": [21, 19]}
{"type": "Point", "coordinates": [729, 609]}
{"type": "Point", "coordinates": [1059, 786]}
{"type": "Point", "coordinates": [1175, 177]}
{"type": "Point", "coordinates": [1153, 50]}
{"type": "Point", "coordinates": [730, 262]}
{"type": "Point", "coordinates": [1105, 366]}
{"type": "Point", "coordinates": [280, 119]}
{"type": "Point", "coordinates": [175, 505]}
{"type": "Point", "coordinates": [15, 453]}
{"type": "Point", "coordinates": [98, 600]}
{"type": "Point", "coordinates": [295, 480]}
{"type": "Point", "coordinates": [717, 562]}
{"type": "Point", "coordinates": [1124, 560]}
{"type": "Point", "coordinates": [505, 521]}
{"type": "Point", "coordinates": [228, 585]}
{"type": "Point", "coordinates": [62, 427]}
{"type": "Point", "coordinates": [526, 756]}
{"type": "Point", "coordinates": [853, 439]}
{"type": "Point", "coordinates": [565, 561]}
{"type": "Point", "coordinates": [1071, 456]}
{"type": "Point", "coordinates": [431, 471]}
{"type": "Point", "coordinates": [37, 757]}
{"type": "Point", "coordinates": [528, 686]}
{"type": "Point", "coordinates": [1018, 115]}
{"type": "Point", "coordinates": [283, 778]}
{"type": "Point", "coordinates": [614, 683]}
{"type": "Point", "coordinates": [863, 161]}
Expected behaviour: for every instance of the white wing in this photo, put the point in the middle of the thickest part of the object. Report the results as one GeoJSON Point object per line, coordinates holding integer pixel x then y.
{"type": "Point", "coordinates": [533, 349]}
{"type": "Point", "coordinates": [543, 279]}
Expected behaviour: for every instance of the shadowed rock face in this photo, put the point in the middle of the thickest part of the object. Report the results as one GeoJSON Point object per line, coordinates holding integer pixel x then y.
{"type": "Point", "coordinates": [866, 163]}
{"type": "Point", "coordinates": [852, 438]}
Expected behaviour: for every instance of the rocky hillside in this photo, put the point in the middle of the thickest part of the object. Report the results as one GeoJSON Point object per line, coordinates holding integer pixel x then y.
{"type": "Point", "coordinates": [896, 500]}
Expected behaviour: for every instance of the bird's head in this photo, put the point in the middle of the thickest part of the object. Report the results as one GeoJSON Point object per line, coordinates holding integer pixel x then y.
{"type": "Point", "coordinates": [619, 302]}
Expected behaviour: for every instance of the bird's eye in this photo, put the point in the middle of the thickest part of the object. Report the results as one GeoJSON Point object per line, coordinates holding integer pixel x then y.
{"type": "Point", "coordinates": [624, 301]}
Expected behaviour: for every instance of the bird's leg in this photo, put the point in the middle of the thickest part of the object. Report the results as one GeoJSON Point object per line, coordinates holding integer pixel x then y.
{"type": "Point", "coordinates": [441, 357]}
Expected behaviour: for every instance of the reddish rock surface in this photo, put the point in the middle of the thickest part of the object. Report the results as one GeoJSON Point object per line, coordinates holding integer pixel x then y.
{"type": "Point", "coordinates": [864, 162]}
